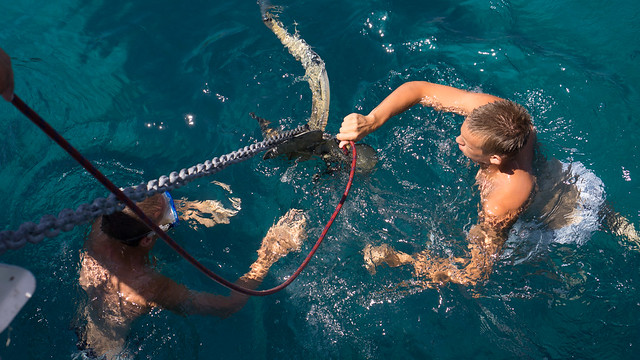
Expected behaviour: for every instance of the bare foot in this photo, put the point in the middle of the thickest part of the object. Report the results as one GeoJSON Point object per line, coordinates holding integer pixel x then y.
{"type": "Point", "coordinates": [374, 256]}
{"type": "Point", "coordinates": [285, 236]}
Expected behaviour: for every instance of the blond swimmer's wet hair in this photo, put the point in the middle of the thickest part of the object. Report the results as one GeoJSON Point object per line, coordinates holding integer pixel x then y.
{"type": "Point", "coordinates": [504, 127]}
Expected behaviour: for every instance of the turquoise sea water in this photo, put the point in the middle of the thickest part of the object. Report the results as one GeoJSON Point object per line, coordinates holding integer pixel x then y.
{"type": "Point", "coordinates": [120, 79]}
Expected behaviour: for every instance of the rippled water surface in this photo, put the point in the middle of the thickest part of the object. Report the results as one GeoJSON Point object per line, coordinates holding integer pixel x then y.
{"type": "Point", "coordinates": [147, 87]}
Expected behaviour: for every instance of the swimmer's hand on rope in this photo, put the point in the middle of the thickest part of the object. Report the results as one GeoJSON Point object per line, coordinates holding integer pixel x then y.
{"type": "Point", "coordinates": [356, 126]}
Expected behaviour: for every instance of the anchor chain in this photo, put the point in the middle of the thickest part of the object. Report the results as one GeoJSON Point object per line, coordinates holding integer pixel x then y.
{"type": "Point", "coordinates": [51, 226]}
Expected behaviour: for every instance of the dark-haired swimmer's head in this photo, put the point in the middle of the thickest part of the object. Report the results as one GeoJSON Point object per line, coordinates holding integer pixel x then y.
{"type": "Point", "coordinates": [127, 228]}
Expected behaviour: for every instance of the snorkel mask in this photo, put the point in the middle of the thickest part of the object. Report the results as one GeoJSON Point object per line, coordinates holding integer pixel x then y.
{"type": "Point", "coordinates": [130, 230]}
{"type": "Point", "coordinates": [170, 217]}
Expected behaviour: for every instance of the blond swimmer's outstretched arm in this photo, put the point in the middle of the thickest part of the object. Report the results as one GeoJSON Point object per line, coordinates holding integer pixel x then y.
{"type": "Point", "coordinates": [440, 97]}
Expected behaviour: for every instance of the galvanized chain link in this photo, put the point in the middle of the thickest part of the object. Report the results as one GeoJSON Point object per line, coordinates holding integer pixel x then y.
{"type": "Point", "coordinates": [67, 219]}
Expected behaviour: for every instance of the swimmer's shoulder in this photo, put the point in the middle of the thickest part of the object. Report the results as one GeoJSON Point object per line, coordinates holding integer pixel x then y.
{"type": "Point", "coordinates": [511, 194]}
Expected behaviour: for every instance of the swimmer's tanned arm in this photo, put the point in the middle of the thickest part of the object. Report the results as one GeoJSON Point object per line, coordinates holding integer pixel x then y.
{"type": "Point", "coordinates": [177, 297]}
{"type": "Point", "coordinates": [283, 237]}
{"type": "Point", "coordinates": [440, 97]}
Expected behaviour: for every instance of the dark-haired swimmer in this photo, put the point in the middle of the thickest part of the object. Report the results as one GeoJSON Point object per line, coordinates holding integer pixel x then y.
{"type": "Point", "coordinates": [121, 284]}
{"type": "Point", "coordinates": [497, 135]}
